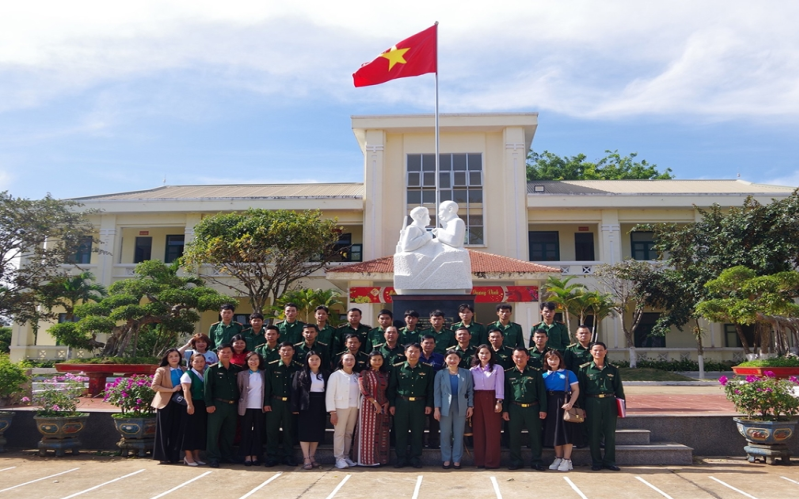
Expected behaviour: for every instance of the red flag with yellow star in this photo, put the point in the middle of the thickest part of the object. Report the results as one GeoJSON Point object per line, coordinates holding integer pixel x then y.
{"type": "Point", "coordinates": [413, 56]}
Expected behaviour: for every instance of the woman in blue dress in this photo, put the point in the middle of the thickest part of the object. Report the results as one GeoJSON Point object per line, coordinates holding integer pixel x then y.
{"type": "Point", "coordinates": [562, 393]}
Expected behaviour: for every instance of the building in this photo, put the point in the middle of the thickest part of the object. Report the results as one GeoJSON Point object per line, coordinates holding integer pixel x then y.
{"type": "Point", "coordinates": [519, 233]}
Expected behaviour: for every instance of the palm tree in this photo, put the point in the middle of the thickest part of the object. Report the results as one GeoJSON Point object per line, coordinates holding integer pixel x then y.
{"type": "Point", "coordinates": [562, 293]}
{"type": "Point", "coordinates": [602, 306]}
{"type": "Point", "coordinates": [307, 300]}
{"type": "Point", "coordinates": [67, 292]}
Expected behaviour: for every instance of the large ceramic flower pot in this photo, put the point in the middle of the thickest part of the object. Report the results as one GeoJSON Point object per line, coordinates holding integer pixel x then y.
{"type": "Point", "coordinates": [766, 439]}
{"type": "Point", "coordinates": [779, 372]}
{"type": "Point", "coordinates": [60, 433]}
{"type": "Point", "coordinates": [97, 373]}
{"type": "Point", "coordinates": [138, 434]}
{"type": "Point", "coordinates": [5, 422]}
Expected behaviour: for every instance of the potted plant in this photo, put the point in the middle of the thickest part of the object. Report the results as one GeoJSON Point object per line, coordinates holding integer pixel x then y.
{"type": "Point", "coordinates": [782, 367]}
{"type": "Point", "coordinates": [770, 407]}
{"type": "Point", "coordinates": [58, 419]}
{"type": "Point", "coordinates": [136, 422]}
{"type": "Point", "coordinates": [12, 379]}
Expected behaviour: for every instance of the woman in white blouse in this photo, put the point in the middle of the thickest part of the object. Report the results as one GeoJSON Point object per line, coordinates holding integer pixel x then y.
{"type": "Point", "coordinates": [251, 409]}
{"type": "Point", "coordinates": [489, 393]}
{"type": "Point", "coordinates": [308, 402]}
{"type": "Point", "coordinates": [342, 401]}
{"type": "Point", "coordinates": [196, 422]}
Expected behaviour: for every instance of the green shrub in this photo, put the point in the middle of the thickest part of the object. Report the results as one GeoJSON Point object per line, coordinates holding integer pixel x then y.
{"type": "Point", "coordinates": [116, 360]}
{"type": "Point", "coordinates": [776, 362]}
{"type": "Point", "coordinates": [679, 365]}
{"type": "Point", "coordinates": [12, 378]}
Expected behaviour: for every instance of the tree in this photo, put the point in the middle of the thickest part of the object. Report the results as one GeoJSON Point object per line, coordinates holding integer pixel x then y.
{"type": "Point", "coordinates": [69, 291]}
{"type": "Point", "coordinates": [265, 251]}
{"type": "Point", "coordinates": [157, 296]}
{"type": "Point", "coordinates": [564, 294]}
{"type": "Point", "coordinates": [43, 234]}
{"type": "Point", "coordinates": [549, 166]}
{"type": "Point", "coordinates": [307, 300]}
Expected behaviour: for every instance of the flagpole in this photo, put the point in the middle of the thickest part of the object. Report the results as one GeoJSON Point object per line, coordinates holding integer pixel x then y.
{"type": "Point", "coordinates": [438, 194]}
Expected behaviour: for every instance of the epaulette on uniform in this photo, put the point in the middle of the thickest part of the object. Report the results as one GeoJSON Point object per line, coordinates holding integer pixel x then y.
{"type": "Point", "coordinates": [274, 361]}
{"type": "Point", "coordinates": [572, 345]}
{"type": "Point", "coordinates": [379, 345]}
{"type": "Point", "coordinates": [398, 364]}
{"type": "Point", "coordinates": [215, 323]}
{"type": "Point", "coordinates": [585, 364]}
{"type": "Point", "coordinates": [299, 344]}
{"type": "Point", "coordinates": [298, 364]}
{"type": "Point", "coordinates": [323, 344]}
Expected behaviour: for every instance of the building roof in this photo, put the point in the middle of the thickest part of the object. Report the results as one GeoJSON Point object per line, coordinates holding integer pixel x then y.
{"type": "Point", "coordinates": [238, 191]}
{"type": "Point", "coordinates": [482, 263]}
{"type": "Point", "coordinates": [653, 187]}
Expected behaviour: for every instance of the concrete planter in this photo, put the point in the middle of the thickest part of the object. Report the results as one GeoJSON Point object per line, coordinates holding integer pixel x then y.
{"type": "Point", "coordinates": [60, 434]}
{"type": "Point", "coordinates": [5, 422]}
{"type": "Point", "coordinates": [779, 372]}
{"type": "Point", "coordinates": [97, 373]}
{"type": "Point", "coordinates": [766, 440]}
{"type": "Point", "coordinates": [138, 434]}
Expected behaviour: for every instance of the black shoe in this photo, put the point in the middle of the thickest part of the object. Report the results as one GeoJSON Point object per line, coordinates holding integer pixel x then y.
{"type": "Point", "coordinates": [416, 463]}
{"type": "Point", "coordinates": [481, 467]}
{"type": "Point", "coordinates": [611, 467]}
{"type": "Point", "coordinates": [514, 467]}
{"type": "Point", "coordinates": [290, 461]}
{"type": "Point", "coordinates": [401, 463]}
{"type": "Point", "coordinates": [538, 467]}
{"type": "Point", "coordinates": [456, 466]}
{"type": "Point", "coordinates": [270, 463]}
{"type": "Point", "coordinates": [247, 463]}
{"type": "Point", "coordinates": [256, 463]}
{"type": "Point", "coordinates": [596, 467]}
{"type": "Point", "coordinates": [446, 466]}
{"type": "Point", "coordinates": [214, 463]}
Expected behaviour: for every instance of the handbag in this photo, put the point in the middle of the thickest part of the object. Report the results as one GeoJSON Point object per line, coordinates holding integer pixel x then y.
{"type": "Point", "coordinates": [178, 398]}
{"type": "Point", "coordinates": [575, 414]}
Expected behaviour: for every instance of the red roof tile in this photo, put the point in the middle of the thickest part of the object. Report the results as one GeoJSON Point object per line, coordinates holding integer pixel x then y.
{"type": "Point", "coordinates": [481, 263]}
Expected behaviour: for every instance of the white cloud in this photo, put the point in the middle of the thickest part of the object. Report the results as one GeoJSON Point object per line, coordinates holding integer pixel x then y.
{"type": "Point", "coordinates": [790, 180]}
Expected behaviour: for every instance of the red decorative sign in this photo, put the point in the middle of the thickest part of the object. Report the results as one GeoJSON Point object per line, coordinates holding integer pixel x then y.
{"type": "Point", "coordinates": [482, 294]}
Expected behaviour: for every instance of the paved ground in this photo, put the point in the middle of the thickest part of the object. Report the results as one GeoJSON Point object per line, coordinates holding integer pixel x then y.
{"type": "Point", "coordinates": [25, 476]}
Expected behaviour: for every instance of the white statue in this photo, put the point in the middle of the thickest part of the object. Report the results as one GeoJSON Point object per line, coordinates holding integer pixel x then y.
{"type": "Point", "coordinates": [424, 264]}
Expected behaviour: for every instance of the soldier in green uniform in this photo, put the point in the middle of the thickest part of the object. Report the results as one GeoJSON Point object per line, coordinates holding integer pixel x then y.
{"type": "Point", "coordinates": [277, 405]}
{"type": "Point", "coordinates": [539, 349]}
{"type": "Point", "coordinates": [410, 333]}
{"type": "Point", "coordinates": [254, 335]}
{"type": "Point", "coordinates": [503, 354]}
{"type": "Point", "coordinates": [327, 333]}
{"type": "Point", "coordinates": [353, 344]}
{"type": "Point", "coordinates": [353, 326]}
{"type": "Point", "coordinates": [526, 407]}
{"type": "Point", "coordinates": [410, 399]}
{"type": "Point", "coordinates": [557, 332]}
{"type": "Point", "coordinates": [391, 349]}
{"type": "Point", "coordinates": [271, 349]}
{"type": "Point", "coordinates": [445, 338]}
{"type": "Point", "coordinates": [600, 386]}
{"type": "Point", "coordinates": [376, 336]}
{"type": "Point", "coordinates": [310, 342]}
{"type": "Point", "coordinates": [464, 347]}
{"type": "Point", "coordinates": [224, 330]}
{"type": "Point", "coordinates": [513, 333]}
{"type": "Point", "coordinates": [579, 353]}
{"type": "Point", "coordinates": [221, 403]}
{"type": "Point", "coordinates": [477, 330]}
{"type": "Point", "coordinates": [290, 329]}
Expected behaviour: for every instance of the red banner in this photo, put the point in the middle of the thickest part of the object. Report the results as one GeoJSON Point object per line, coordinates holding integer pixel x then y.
{"type": "Point", "coordinates": [482, 294]}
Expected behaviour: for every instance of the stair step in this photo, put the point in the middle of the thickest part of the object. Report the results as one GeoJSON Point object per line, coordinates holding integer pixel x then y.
{"type": "Point", "coordinates": [632, 437]}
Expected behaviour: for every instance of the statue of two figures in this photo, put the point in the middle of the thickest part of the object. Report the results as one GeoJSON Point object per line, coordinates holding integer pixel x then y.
{"type": "Point", "coordinates": [424, 264]}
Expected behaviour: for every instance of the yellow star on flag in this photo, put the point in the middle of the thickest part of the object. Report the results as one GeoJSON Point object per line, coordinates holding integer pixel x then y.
{"type": "Point", "coordinates": [394, 56]}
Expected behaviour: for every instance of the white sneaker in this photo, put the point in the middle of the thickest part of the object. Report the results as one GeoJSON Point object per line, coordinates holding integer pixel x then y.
{"type": "Point", "coordinates": [350, 462]}
{"type": "Point", "coordinates": [341, 464]}
{"type": "Point", "coordinates": [565, 465]}
{"type": "Point", "coordinates": [555, 463]}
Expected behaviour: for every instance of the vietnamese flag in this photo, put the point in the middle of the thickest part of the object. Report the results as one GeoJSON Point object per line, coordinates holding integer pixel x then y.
{"type": "Point", "coordinates": [413, 56]}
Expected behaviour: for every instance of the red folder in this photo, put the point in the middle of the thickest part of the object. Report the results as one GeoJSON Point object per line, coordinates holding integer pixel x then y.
{"type": "Point", "coordinates": [621, 407]}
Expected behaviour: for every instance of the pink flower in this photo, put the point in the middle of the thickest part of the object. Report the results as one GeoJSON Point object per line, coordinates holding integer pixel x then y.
{"type": "Point", "coordinates": [794, 379]}
{"type": "Point", "coordinates": [751, 379]}
{"type": "Point", "coordinates": [737, 391]}
{"type": "Point", "coordinates": [769, 374]}
{"type": "Point", "coordinates": [26, 399]}
{"type": "Point", "coordinates": [723, 380]}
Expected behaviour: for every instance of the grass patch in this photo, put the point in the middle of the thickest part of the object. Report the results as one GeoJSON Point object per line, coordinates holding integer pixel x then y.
{"type": "Point", "coordinates": [649, 374]}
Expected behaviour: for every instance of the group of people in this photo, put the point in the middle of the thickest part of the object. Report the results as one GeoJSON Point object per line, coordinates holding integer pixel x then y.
{"type": "Point", "coordinates": [249, 384]}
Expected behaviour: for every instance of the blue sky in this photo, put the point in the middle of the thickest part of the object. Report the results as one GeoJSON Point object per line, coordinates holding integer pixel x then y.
{"type": "Point", "coordinates": [96, 97]}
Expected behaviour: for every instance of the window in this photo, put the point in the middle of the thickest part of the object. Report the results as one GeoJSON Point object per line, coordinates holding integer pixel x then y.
{"type": "Point", "coordinates": [642, 246]}
{"type": "Point", "coordinates": [243, 319]}
{"type": "Point", "coordinates": [731, 339]}
{"type": "Point", "coordinates": [643, 333]}
{"type": "Point", "coordinates": [174, 248]}
{"type": "Point", "coordinates": [544, 246]}
{"type": "Point", "coordinates": [143, 249]}
{"type": "Point", "coordinates": [62, 317]}
{"type": "Point", "coordinates": [84, 252]}
{"type": "Point", "coordinates": [584, 246]}
{"type": "Point", "coordinates": [347, 252]}
{"type": "Point", "coordinates": [460, 179]}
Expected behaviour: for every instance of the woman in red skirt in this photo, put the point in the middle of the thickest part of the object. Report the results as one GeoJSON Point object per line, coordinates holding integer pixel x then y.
{"type": "Point", "coordinates": [489, 392]}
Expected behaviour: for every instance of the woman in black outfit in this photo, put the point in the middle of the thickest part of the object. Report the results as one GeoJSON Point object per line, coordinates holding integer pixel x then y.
{"type": "Point", "coordinates": [169, 414]}
{"type": "Point", "coordinates": [308, 400]}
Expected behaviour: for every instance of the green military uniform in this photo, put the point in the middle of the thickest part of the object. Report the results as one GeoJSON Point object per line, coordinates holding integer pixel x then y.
{"type": "Point", "coordinates": [410, 391]}
{"type": "Point", "coordinates": [599, 389]}
{"type": "Point", "coordinates": [391, 355]}
{"type": "Point", "coordinates": [525, 397]}
{"type": "Point", "coordinates": [477, 330]}
{"type": "Point", "coordinates": [512, 333]}
{"type": "Point", "coordinates": [277, 394]}
{"type": "Point", "coordinates": [290, 331]}
{"type": "Point", "coordinates": [327, 335]}
{"type": "Point", "coordinates": [576, 355]}
{"type": "Point", "coordinates": [373, 338]}
{"type": "Point", "coordinates": [222, 392]}
{"type": "Point", "coordinates": [407, 336]}
{"type": "Point", "coordinates": [537, 358]}
{"type": "Point", "coordinates": [504, 356]}
{"type": "Point", "coordinates": [444, 339]}
{"type": "Point", "coordinates": [220, 333]}
{"type": "Point", "coordinates": [557, 335]}
{"type": "Point", "coordinates": [361, 361]}
{"type": "Point", "coordinates": [268, 353]}
{"type": "Point", "coordinates": [254, 339]}
{"type": "Point", "coordinates": [466, 355]}
{"type": "Point", "coordinates": [301, 348]}
{"type": "Point", "coordinates": [345, 330]}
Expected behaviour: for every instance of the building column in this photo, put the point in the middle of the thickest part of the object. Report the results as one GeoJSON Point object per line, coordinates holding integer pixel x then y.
{"type": "Point", "coordinates": [515, 216]}
{"type": "Point", "coordinates": [111, 247]}
{"type": "Point", "coordinates": [372, 196]}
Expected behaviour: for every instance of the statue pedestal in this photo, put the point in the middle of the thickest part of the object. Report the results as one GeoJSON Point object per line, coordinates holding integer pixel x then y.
{"type": "Point", "coordinates": [426, 303]}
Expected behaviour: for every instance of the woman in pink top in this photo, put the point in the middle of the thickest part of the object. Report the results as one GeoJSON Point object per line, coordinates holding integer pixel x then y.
{"type": "Point", "coordinates": [489, 392]}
